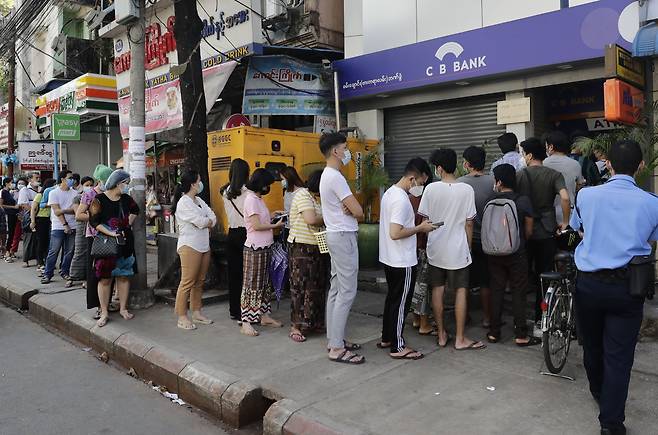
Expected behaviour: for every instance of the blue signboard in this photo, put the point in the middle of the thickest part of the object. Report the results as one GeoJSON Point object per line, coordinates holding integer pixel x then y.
{"type": "Point", "coordinates": [560, 37]}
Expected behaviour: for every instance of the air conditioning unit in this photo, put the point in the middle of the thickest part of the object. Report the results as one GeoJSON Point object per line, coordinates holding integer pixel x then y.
{"type": "Point", "coordinates": [125, 11]}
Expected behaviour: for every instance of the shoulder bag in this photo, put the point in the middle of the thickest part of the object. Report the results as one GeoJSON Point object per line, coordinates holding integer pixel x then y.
{"type": "Point", "coordinates": [104, 246]}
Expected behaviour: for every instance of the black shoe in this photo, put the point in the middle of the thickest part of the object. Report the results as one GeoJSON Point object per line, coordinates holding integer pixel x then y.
{"type": "Point", "coordinates": [616, 430]}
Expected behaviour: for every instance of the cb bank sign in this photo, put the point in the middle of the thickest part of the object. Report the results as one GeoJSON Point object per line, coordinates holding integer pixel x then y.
{"type": "Point", "coordinates": [455, 49]}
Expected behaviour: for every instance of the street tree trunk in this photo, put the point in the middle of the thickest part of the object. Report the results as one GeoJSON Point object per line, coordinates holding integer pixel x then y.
{"type": "Point", "coordinates": [187, 31]}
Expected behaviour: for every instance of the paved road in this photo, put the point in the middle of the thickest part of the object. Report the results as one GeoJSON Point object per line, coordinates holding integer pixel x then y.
{"type": "Point", "coordinates": [50, 386]}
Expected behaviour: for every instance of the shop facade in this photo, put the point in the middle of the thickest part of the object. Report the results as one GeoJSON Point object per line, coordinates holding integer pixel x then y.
{"type": "Point", "coordinates": [525, 76]}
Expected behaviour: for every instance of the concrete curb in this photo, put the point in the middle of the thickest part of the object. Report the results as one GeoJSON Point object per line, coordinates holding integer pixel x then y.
{"type": "Point", "coordinates": [224, 396]}
{"type": "Point", "coordinates": [287, 417]}
{"type": "Point", "coordinates": [16, 297]}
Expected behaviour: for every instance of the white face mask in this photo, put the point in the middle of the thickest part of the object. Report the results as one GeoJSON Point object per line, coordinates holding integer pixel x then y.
{"type": "Point", "coordinates": [86, 188]}
{"type": "Point", "coordinates": [347, 157]}
{"type": "Point", "coordinates": [416, 191]}
{"type": "Point", "coordinates": [438, 175]}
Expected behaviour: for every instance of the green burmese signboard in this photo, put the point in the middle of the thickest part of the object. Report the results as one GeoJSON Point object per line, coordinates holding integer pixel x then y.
{"type": "Point", "coordinates": [65, 127]}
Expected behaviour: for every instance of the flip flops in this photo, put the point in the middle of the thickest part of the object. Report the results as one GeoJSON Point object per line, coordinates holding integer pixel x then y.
{"type": "Point", "coordinates": [532, 341]}
{"type": "Point", "coordinates": [297, 337]}
{"type": "Point", "coordinates": [343, 358]}
{"type": "Point", "coordinates": [408, 355]}
{"type": "Point", "coordinates": [186, 326]}
{"type": "Point", "coordinates": [476, 345]}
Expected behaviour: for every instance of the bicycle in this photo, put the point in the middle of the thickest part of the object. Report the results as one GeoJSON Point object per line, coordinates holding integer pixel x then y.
{"type": "Point", "coordinates": [558, 323]}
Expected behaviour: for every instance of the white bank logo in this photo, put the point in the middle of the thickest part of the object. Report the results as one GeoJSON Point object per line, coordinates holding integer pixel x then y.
{"type": "Point", "coordinates": [458, 65]}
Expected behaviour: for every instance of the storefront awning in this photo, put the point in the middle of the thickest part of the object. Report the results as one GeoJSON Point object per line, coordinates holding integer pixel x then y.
{"type": "Point", "coordinates": [89, 96]}
{"type": "Point", "coordinates": [646, 41]}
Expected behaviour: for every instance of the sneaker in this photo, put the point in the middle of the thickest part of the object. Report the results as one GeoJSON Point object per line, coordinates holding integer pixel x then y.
{"type": "Point", "coordinates": [97, 314]}
{"type": "Point", "coordinates": [45, 280]}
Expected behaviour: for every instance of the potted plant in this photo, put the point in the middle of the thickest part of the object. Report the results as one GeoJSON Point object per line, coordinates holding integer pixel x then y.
{"type": "Point", "coordinates": [372, 179]}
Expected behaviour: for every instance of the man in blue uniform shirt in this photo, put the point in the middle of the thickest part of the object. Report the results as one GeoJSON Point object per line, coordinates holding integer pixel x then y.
{"type": "Point", "coordinates": [618, 220]}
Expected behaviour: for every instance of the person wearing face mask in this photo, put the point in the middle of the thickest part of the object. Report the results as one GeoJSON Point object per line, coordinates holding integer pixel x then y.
{"type": "Point", "coordinates": [474, 161]}
{"type": "Point", "coordinates": [421, 304]}
{"type": "Point", "coordinates": [340, 211]}
{"type": "Point", "coordinates": [101, 174]}
{"type": "Point", "coordinates": [512, 268]}
{"type": "Point", "coordinates": [28, 227]}
{"type": "Point", "coordinates": [17, 235]}
{"type": "Point", "coordinates": [194, 220]}
{"type": "Point", "coordinates": [62, 231]}
{"type": "Point", "coordinates": [41, 225]}
{"type": "Point", "coordinates": [8, 204]}
{"type": "Point", "coordinates": [308, 267]}
{"type": "Point", "coordinates": [112, 213]}
{"type": "Point", "coordinates": [397, 252]}
{"type": "Point", "coordinates": [77, 182]}
{"type": "Point", "coordinates": [256, 287]}
{"type": "Point", "coordinates": [80, 257]}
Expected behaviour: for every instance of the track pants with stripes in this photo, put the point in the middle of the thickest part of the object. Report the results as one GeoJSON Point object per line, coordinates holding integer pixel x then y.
{"type": "Point", "coordinates": [401, 281]}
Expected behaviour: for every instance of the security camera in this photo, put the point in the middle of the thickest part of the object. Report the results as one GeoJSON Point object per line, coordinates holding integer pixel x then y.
{"type": "Point", "coordinates": [326, 64]}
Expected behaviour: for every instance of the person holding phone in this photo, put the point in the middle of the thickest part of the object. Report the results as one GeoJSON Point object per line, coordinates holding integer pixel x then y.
{"type": "Point", "coordinates": [397, 252]}
{"type": "Point", "coordinates": [112, 213]}
{"type": "Point", "coordinates": [256, 288]}
{"type": "Point", "coordinates": [194, 220]}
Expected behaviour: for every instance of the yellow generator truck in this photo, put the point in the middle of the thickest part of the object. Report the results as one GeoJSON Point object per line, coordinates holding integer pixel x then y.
{"type": "Point", "coordinates": [273, 150]}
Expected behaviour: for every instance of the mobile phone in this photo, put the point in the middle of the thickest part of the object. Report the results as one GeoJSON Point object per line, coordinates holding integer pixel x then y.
{"type": "Point", "coordinates": [277, 218]}
{"type": "Point", "coordinates": [437, 224]}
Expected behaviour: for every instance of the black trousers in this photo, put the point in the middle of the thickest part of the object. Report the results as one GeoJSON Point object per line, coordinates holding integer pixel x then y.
{"type": "Point", "coordinates": [43, 239]}
{"type": "Point", "coordinates": [12, 221]}
{"type": "Point", "coordinates": [401, 281]}
{"type": "Point", "coordinates": [513, 269]}
{"type": "Point", "coordinates": [541, 258]}
{"type": "Point", "coordinates": [609, 322]}
{"type": "Point", "coordinates": [234, 246]}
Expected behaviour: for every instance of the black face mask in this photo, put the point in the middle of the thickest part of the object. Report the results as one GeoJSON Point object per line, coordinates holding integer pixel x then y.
{"type": "Point", "coordinates": [265, 190]}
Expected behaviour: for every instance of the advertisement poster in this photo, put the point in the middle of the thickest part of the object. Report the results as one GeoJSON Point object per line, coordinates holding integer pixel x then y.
{"type": "Point", "coordinates": [39, 156]}
{"type": "Point", "coordinates": [281, 85]}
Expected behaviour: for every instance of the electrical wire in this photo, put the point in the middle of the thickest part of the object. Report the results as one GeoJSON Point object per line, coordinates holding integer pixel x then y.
{"type": "Point", "coordinates": [56, 60]}
{"type": "Point", "coordinates": [25, 69]}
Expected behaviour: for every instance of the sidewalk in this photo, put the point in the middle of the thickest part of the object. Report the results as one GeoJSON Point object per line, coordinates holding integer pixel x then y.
{"type": "Point", "coordinates": [299, 391]}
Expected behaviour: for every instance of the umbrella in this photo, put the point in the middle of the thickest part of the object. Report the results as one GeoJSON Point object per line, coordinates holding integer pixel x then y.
{"type": "Point", "coordinates": [278, 267]}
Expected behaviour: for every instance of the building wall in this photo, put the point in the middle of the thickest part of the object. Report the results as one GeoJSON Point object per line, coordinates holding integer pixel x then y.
{"type": "Point", "coordinates": [83, 156]}
{"type": "Point", "coordinates": [375, 25]}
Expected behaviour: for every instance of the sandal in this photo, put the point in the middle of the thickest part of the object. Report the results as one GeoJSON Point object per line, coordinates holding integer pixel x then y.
{"type": "Point", "coordinates": [492, 338]}
{"type": "Point", "coordinates": [382, 345]}
{"type": "Point", "coordinates": [102, 321]}
{"type": "Point", "coordinates": [203, 321]}
{"type": "Point", "coordinates": [69, 284]}
{"type": "Point", "coordinates": [351, 346]}
{"type": "Point", "coordinates": [297, 337]}
{"type": "Point", "coordinates": [347, 357]}
{"type": "Point", "coordinates": [187, 326]}
{"type": "Point", "coordinates": [408, 355]}
{"type": "Point", "coordinates": [251, 333]}
{"type": "Point", "coordinates": [532, 341]}
{"type": "Point", "coordinates": [476, 345]}
{"type": "Point", "coordinates": [126, 315]}
{"type": "Point", "coordinates": [432, 331]}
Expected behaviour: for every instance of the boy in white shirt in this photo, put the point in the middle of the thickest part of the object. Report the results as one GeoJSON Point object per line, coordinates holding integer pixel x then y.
{"type": "Point", "coordinates": [340, 211]}
{"type": "Point", "coordinates": [449, 247]}
{"type": "Point", "coordinates": [397, 252]}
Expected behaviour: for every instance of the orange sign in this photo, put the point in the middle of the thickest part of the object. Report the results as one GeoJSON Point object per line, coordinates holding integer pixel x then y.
{"type": "Point", "coordinates": [623, 102]}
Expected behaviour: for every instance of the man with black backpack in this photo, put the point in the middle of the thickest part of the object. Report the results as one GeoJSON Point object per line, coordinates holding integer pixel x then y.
{"type": "Point", "coordinates": [506, 224]}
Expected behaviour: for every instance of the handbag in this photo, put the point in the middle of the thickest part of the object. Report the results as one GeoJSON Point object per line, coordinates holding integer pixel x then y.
{"type": "Point", "coordinates": [104, 246]}
{"type": "Point", "coordinates": [641, 277]}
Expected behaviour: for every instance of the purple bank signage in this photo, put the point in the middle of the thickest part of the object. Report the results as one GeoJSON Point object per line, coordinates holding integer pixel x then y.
{"type": "Point", "coordinates": [568, 35]}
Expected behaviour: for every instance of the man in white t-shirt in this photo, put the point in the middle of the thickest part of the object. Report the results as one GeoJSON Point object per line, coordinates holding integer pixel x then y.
{"type": "Point", "coordinates": [25, 197]}
{"type": "Point", "coordinates": [62, 232]}
{"type": "Point", "coordinates": [340, 211]}
{"type": "Point", "coordinates": [397, 252]}
{"type": "Point", "coordinates": [450, 205]}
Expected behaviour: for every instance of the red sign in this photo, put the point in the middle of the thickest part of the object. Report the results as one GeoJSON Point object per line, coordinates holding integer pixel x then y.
{"type": "Point", "coordinates": [157, 46]}
{"type": "Point", "coordinates": [623, 102]}
{"type": "Point", "coordinates": [236, 120]}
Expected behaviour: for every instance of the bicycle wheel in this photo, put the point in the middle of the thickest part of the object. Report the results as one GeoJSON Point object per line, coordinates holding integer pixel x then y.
{"type": "Point", "coordinates": [557, 339]}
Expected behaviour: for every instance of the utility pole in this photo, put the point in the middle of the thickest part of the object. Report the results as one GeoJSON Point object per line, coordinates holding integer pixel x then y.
{"type": "Point", "coordinates": [11, 96]}
{"type": "Point", "coordinates": [187, 31]}
{"type": "Point", "coordinates": [135, 159]}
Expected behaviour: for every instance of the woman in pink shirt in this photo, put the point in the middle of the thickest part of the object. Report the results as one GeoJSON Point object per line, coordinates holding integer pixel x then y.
{"type": "Point", "coordinates": [256, 288]}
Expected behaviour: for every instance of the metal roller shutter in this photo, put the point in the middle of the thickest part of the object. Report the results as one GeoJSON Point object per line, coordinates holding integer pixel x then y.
{"type": "Point", "coordinates": [417, 130]}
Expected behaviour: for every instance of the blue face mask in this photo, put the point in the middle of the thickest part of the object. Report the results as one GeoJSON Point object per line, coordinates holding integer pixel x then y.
{"type": "Point", "coordinates": [200, 188]}
{"type": "Point", "coordinates": [70, 182]}
{"type": "Point", "coordinates": [125, 189]}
